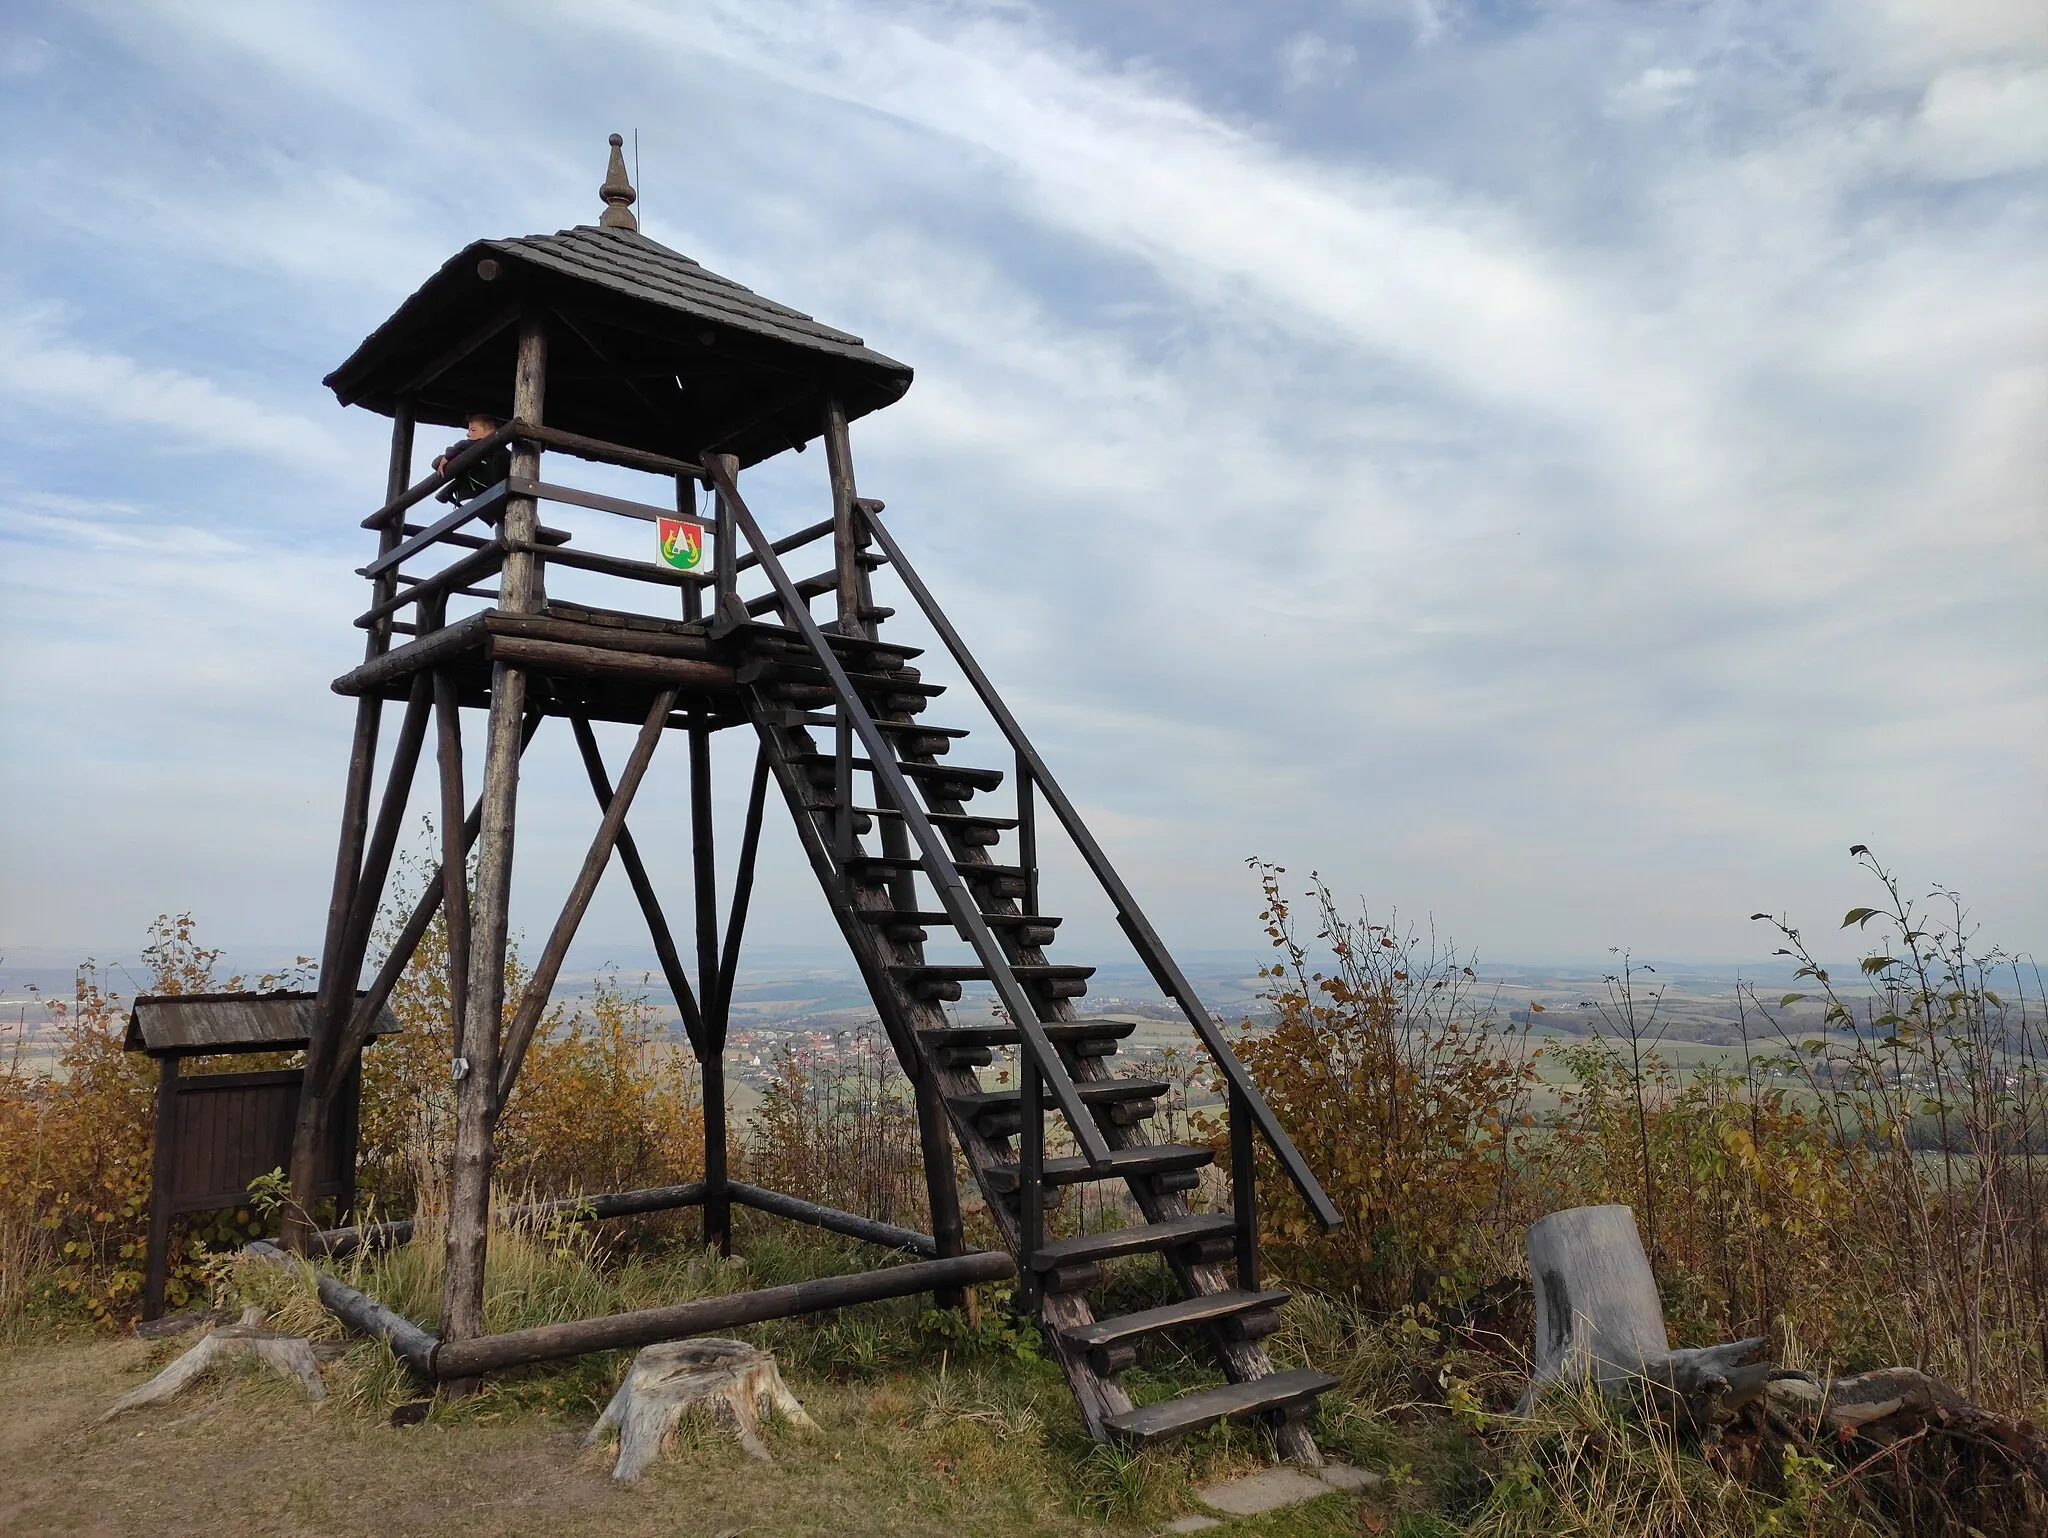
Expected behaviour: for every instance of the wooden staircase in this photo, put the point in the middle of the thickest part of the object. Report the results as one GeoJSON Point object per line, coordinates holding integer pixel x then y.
{"type": "Point", "coordinates": [903, 852]}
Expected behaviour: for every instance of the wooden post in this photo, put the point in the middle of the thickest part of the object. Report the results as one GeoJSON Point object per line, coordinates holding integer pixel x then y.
{"type": "Point", "coordinates": [454, 847]}
{"type": "Point", "coordinates": [162, 1171]}
{"type": "Point", "coordinates": [1030, 1177]}
{"type": "Point", "coordinates": [534, 1001]}
{"type": "Point", "coordinates": [643, 889]}
{"type": "Point", "coordinates": [846, 532]}
{"type": "Point", "coordinates": [717, 1199]}
{"type": "Point", "coordinates": [337, 980]}
{"type": "Point", "coordinates": [1244, 1196]}
{"type": "Point", "coordinates": [727, 612]}
{"type": "Point", "coordinates": [686, 504]}
{"type": "Point", "coordinates": [476, 1069]}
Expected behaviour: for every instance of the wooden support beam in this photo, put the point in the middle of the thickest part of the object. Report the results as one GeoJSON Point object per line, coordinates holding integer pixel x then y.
{"type": "Point", "coordinates": [643, 888]}
{"type": "Point", "coordinates": [643, 1327]}
{"type": "Point", "coordinates": [454, 845]}
{"type": "Point", "coordinates": [704, 870]}
{"type": "Point", "coordinates": [845, 523]}
{"type": "Point", "coordinates": [476, 1070]}
{"type": "Point", "coordinates": [742, 892]}
{"type": "Point", "coordinates": [851, 1224]}
{"type": "Point", "coordinates": [309, 1130]}
{"type": "Point", "coordinates": [163, 1170]}
{"type": "Point", "coordinates": [361, 1312]}
{"type": "Point", "coordinates": [561, 656]}
{"type": "Point", "coordinates": [337, 1242]}
{"type": "Point", "coordinates": [383, 844]}
{"type": "Point", "coordinates": [533, 1002]}
{"type": "Point", "coordinates": [408, 942]}
{"type": "Point", "coordinates": [601, 452]}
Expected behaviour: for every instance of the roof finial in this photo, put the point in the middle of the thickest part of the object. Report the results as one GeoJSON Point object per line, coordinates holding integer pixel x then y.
{"type": "Point", "coordinates": [617, 192]}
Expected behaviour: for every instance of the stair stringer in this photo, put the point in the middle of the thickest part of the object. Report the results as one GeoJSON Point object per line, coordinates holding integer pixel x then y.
{"type": "Point", "coordinates": [903, 1017]}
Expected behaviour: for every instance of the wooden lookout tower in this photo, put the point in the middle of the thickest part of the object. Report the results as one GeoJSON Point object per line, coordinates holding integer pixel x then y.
{"type": "Point", "coordinates": [598, 345]}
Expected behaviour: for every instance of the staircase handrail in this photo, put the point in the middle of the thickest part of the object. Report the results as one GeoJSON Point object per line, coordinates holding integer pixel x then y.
{"type": "Point", "coordinates": [961, 909]}
{"type": "Point", "coordinates": [1143, 937]}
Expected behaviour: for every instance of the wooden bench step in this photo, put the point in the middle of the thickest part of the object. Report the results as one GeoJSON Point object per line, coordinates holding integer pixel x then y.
{"type": "Point", "coordinates": [1203, 1310]}
{"type": "Point", "coordinates": [1191, 1412]}
{"type": "Point", "coordinates": [978, 779]}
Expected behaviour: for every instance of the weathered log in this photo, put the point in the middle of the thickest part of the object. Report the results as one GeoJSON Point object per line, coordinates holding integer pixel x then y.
{"type": "Point", "coordinates": [739, 1383]}
{"type": "Point", "coordinates": [290, 1355]}
{"type": "Point", "coordinates": [361, 1312]}
{"type": "Point", "coordinates": [646, 1326]}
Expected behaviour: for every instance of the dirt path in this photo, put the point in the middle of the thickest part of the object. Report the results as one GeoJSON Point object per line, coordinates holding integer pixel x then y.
{"type": "Point", "coordinates": [249, 1456]}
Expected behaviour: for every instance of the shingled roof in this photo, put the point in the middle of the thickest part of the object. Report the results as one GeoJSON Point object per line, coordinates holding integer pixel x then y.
{"type": "Point", "coordinates": [646, 347]}
{"type": "Point", "coordinates": [196, 1024]}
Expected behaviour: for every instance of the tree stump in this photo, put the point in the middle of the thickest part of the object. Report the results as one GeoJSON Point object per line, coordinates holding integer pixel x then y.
{"type": "Point", "coordinates": [1598, 1316]}
{"type": "Point", "coordinates": [738, 1382]}
{"type": "Point", "coordinates": [291, 1355]}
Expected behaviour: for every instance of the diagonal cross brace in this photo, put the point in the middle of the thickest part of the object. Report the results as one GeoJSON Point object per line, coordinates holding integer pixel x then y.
{"type": "Point", "coordinates": [542, 983]}
{"type": "Point", "coordinates": [961, 908]}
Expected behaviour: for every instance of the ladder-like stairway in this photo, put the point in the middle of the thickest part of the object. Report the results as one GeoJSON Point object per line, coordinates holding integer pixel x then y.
{"type": "Point", "coordinates": [834, 709]}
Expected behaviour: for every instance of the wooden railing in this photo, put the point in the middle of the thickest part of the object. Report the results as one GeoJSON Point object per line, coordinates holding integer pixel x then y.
{"type": "Point", "coordinates": [1248, 1108]}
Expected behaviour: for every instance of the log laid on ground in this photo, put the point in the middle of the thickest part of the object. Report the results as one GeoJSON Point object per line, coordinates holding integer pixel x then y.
{"type": "Point", "coordinates": [739, 1383]}
{"type": "Point", "coordinates": [361, 1312]}
{"type": "Point", "coordinates": [643, 1327]}
{"type": "Point", "coordinates": [290, 1355]}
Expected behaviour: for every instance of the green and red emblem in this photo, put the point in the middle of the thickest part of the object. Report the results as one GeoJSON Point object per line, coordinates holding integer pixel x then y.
{"type": "Point", "coordinates": [682, 544]}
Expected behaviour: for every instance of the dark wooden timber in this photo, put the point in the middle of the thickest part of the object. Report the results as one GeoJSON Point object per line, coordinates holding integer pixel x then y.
{"type": "Point", "coordinates": [599, 451]}
{"type": "Point", "coordinates": [383, 843]}
{"type": "Point", "coordinates": [854, 1226]}
{"type": "Point", "coordinates": [476, 1102]}
{"type": "Point", "coordinates": [742, 891]}
{"type": "Point", "coordinates": [398, 500]}
{"type": "Point", "coordinates": [337, 990]}
{"type": "Point", "coordinates": [1144, 938]}
{"type": "Point", "coordinates": [644, 1327]}
{"type": "Point", "coordinates": [163, 1160]}
{"type": "Point", "coordinates": [454, 846]}
{"type": "Point", "coordinates": [599, 502]}
{"type": "Point", "coordinates": [643, 889]}
{"type": "Point", "coordinates": [852, 600]}
{"type": "Point", "coordinates": [436, 531]}
{"type": "Point", "coordinates": [411, 1344]}
{"type": "Point", "coordinates": [560, 656]}
{"type": "Point", "coordinates": [610, 565]}
{"type": "Point", "coordinates": [458, 574]}
{"type": "Point", "coordinates": [533, 1002]}
{"type": "Point", "coordinates": [946, 879]}
{"type": "Point", "coordinates": [1280, 1391]}
{"type": "Point", "coordinates": [408, 942]}
{"type": "Point", "coordinates": [704, 873]}
{"type": "Point", "coordinates": [788, 542]}
{"type": "Point", "coordinates": [339, 1242]}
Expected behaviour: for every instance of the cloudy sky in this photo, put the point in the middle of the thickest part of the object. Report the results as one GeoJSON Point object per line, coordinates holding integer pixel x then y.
{"type": "Point", "coordinates": [1566, 467]}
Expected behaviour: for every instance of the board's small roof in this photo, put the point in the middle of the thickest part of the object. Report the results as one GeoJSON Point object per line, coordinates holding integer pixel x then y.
{"type": "Point", "coordinates": [194, 1024]}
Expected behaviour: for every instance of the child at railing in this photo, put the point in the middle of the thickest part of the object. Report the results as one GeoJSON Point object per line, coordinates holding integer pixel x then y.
{"type": "Point", "coordinates": [485, 473]}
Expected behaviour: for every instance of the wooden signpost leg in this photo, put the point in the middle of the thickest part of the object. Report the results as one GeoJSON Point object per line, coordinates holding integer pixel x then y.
{"type": "Point", "coordinates": [163, 1168]}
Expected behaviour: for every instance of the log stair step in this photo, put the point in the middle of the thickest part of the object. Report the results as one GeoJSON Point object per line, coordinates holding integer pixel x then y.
{"type": "Point", "coordinates": [946, 819]}
{"type": "Point", "coordinates": [1151, 1159]}
{"type": "Point", "coordinates": [973, 972]}
{"type": "Point", "coordinates": [1059, 1031]}
{"type": "Point", "coordinates": [949, 774]}
{"type": "Point", "coordinates": [1207, 1309]}
{"type": "Point", "coordinates": [938, 920]}
{"type": "Point", "coordinates": [1142, 1239]}
{"type": "Point", "coordinates": [1092, 1092]}
{"type": "Point", "coordinates": [1176, 1417]}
